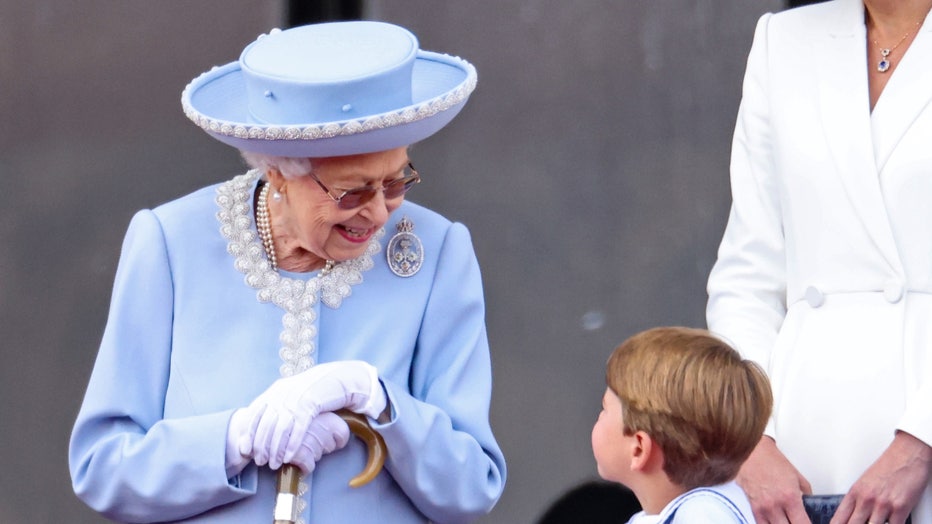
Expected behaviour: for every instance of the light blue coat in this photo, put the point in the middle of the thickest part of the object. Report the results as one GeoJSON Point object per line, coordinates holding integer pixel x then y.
{"type": "Point", "coordinates": [187, 341]}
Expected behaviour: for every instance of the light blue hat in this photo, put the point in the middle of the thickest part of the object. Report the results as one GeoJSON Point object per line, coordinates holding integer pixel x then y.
{"type": "Point", "coordinates": [330, 89]}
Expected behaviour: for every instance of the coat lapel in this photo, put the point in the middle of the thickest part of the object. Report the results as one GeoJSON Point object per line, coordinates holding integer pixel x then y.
{"type": "Point", "coordinates": [908, 92]}
{"type": "Point", "coordinates": [845, 110]}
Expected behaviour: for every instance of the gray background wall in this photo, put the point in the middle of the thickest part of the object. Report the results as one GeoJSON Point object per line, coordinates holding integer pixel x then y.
{"type": "Point", "coordinates": [590, 165]}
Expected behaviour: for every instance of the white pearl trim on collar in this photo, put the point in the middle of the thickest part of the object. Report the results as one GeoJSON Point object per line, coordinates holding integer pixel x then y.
{"type": "Point", "coordinates": [296, 297]}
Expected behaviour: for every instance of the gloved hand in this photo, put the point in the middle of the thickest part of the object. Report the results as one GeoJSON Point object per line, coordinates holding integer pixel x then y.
{"type": "Point", "coordinates": [282, 414]}
{"type": "Point", "coordinates": [327, 433]}
{"type": "Point", "coordinates": [237, 431]}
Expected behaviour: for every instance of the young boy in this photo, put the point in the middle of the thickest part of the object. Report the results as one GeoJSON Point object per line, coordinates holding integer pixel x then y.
{"type": "Point", "coordinates": [681, 413]}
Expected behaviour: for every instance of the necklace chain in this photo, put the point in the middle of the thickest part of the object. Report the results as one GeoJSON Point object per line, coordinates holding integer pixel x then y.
{"type": "Point", "coordinates": [264, 226]}
{"type": "Point", "coordinates": [884, 64]}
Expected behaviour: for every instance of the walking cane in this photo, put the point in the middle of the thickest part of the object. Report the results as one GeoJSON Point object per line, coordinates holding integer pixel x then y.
{"type": "Point", "coordinates": [286, 506]}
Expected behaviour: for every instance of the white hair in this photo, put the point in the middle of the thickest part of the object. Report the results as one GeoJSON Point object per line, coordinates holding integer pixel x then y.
{"type": "Point", "coordinates": [289, 167]}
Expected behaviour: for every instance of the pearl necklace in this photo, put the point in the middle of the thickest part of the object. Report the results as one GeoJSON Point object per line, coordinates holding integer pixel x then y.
{"type": "Point", "coordinates": [264, 226]}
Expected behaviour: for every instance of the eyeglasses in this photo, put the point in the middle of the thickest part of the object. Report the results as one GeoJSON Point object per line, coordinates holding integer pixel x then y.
{"type": "Point", "coordinates": [359, 196]}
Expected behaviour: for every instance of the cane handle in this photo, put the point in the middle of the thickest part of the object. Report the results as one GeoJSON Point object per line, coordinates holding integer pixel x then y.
{"type": "Point", "coordinates": [359, 425]}
{"type": "Point", "coordinates": [286, 507]}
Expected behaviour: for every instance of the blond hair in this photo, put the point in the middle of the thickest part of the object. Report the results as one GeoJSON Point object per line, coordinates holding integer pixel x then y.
{"type": "Point", "coordinates": [695, 396]}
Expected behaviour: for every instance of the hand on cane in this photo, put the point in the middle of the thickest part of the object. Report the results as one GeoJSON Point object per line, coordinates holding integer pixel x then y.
{"type": "Point", "coordinates": [327, 433]}
{"type": "Point", "coordinates": [282, 415]}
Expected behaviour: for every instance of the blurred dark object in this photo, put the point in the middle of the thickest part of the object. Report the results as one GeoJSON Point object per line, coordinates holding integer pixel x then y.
{"type": "Point", "coordinates": [594, 502]}
{"type": "Point", "coordinates": [797, 3]}
{"type": "Point", "coordinates": [301, 12]}
{"type": "Point", "coordinates": [821, 508]}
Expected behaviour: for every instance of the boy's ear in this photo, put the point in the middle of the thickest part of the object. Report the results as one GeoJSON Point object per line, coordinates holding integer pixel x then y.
{"type": "Point", "coordinates": [645, 452]}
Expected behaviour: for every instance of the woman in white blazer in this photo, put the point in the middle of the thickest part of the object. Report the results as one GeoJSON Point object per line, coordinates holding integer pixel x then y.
{"type": "Point", "coordinates": [824, 274]}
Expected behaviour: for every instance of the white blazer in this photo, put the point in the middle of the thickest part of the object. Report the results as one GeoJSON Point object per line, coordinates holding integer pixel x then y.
{"type": "Point", "coordinates": [824, 274]}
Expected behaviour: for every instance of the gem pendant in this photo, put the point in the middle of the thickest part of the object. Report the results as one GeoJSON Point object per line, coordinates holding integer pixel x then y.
{"type": "Point", "coordinates": [884, 63]}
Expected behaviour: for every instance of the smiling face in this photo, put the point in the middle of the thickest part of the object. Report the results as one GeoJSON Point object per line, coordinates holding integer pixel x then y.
{"type": "Point", "coordinates": [307, 224]}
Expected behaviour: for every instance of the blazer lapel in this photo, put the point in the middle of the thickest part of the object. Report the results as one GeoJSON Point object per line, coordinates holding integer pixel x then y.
{"type": "Point", "coordinates": [845, 109]}
{"type": "Point", "coordinates": [906, 95]}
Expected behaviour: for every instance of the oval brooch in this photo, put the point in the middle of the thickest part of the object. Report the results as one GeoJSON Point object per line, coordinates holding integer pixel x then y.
{"type": "Point", "coordinates": [405, 253]}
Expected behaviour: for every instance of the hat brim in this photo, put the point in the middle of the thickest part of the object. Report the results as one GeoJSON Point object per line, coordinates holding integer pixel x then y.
{"type": "Point", "coordinates": [441, 84]}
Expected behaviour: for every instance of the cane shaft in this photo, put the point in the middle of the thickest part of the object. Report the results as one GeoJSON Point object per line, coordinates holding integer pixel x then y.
{"type": "Point", "coordinates": [286, 500]}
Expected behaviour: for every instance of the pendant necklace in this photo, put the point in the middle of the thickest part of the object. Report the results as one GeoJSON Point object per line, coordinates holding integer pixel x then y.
{"type": "Point", "coordinates": [884, 65]}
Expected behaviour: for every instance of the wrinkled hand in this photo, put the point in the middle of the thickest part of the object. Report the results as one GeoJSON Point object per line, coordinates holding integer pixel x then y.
{"type": "Point", "coordinates": [282, 415]}
{"type": "Point", "coordinates": [774, 487]}
{"type": "Point", "coordinates": [891, 487]}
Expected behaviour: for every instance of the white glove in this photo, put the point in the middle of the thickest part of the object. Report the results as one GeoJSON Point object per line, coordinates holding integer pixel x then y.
{"type": "Point", "coordinates": [327, 433]}
{"type": "Point", "coordinates": [282, 414]}
{"type": "Point", "coordinates": [237, 431]}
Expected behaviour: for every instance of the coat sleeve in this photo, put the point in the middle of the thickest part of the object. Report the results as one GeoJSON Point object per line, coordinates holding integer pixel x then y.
{"type": "Point", "coordinates": [440, 422]}
{"type": "Point", "coordinates": [747, 284]}
{"type": "Point", "coordinates": [126, 460]}
{"type": "Point", "coordinates": [917, 418]}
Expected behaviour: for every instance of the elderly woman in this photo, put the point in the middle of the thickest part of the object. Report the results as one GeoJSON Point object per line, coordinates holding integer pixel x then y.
{"type": "Point", "coordinates": [245, 314]}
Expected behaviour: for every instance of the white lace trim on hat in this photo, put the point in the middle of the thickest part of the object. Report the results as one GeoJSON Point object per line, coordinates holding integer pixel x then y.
{"type": "Point", "coordinates": [407, 115]}
{"type": "Point", "coordinates": [296, 297]}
